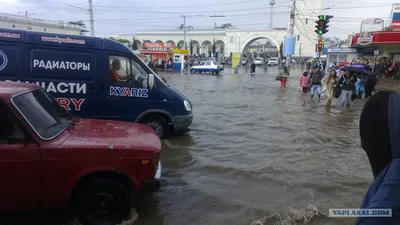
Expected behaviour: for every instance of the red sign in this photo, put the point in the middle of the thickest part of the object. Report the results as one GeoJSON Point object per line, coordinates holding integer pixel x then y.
{"type": "Point", "coordinates": [169, 45]}
{"type": "Point", "coordinates": [153, 45]}
{"type": "Point", "coordinates": [158, 45]}
{"type": "Point", "coordinates": [384, 37]}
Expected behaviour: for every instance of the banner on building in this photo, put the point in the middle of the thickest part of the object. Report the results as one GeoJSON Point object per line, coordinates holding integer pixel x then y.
{"type": "Point", "coordinates": [289, 45]}
{"type": "Point", "coordinates": [158, 45]}
{"type": "Point", "coordinates": [235, 59]}
{"type": "Point", "coordinates": [395, 16]}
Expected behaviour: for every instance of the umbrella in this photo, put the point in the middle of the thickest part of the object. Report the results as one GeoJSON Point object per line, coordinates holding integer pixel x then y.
{"type": "Point", "coordinates": [354, 70]}
{"type": "Point", "coordinates": [358, 66]}
{"type": "Point", "coordinates": [343, 64]}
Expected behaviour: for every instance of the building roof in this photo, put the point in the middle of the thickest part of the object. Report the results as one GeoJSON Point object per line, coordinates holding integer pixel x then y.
{"type": "Point", "coordinates": [38, 22]}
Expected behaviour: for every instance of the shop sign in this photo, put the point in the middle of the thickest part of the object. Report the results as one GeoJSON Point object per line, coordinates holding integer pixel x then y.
{"type": "Point", "coordinates": [153, 45]}
{"type": "Point", "coordinates": [180, 51]}
{"type": "Point", "coordinates": [365, 38]}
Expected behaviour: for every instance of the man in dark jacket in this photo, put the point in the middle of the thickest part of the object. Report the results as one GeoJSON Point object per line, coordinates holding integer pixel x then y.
{"type": "Point", "coordinates": [315, 82]}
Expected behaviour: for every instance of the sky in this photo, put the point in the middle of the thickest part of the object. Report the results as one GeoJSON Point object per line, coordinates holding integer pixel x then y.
{"type": "Point", "coordinates": [121, 17]}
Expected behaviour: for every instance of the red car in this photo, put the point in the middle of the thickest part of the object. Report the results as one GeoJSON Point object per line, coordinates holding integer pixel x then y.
{"type": "Point", "coordinates": [50, 159]}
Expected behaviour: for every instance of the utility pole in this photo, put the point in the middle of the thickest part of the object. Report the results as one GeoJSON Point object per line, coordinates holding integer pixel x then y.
{"type": "Point", "coordinates": [291, 29]}
{"type": "Point", "coordinates": [26, 20]}
{"type": "Point", "coordinates": [91, 18]}
{"type": "Point", "coordinates": [184, 31]}
{"type": "Point", "coordinates": [271, 3]}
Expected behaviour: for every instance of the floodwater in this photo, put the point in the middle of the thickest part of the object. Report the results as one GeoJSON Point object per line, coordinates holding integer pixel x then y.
{"type": "Point", "coordinates": [257, 154]}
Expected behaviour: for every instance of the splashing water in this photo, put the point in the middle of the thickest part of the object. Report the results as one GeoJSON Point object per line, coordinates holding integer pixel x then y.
{"type": "Point", "coordinates": [290, 216]}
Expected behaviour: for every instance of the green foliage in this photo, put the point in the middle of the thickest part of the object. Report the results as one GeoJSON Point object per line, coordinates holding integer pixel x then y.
{"type": "Point", "coordinates": [134, 44]}
{"type": "Point", "coordinates": [123, 41]}
{"type": "Point", "coordinates": [281, 49]}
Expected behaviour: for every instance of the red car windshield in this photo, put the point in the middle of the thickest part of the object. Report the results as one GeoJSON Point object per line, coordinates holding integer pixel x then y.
{"type": "Point", "coordinates": [43, 113]}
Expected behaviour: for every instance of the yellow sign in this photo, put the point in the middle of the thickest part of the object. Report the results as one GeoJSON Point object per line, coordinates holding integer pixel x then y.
{"type": "Point", "coordinates": [235, 60]}
{"type": "Point", "coordinates": [180, 51]}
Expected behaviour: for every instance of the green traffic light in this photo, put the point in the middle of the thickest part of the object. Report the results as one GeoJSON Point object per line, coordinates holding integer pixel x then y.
{"type": "Point", "coordinates": [320, 32]}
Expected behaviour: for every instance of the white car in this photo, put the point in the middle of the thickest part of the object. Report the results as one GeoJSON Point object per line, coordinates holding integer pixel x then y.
{"type": "Point", "coordinates": [213, 59]}
{"type": "Point", "coordinates": [273, 62]}
{"type": "Point", "coordinates": [207, 67]}
{"type": "Point", "coordinates": [259, 61]}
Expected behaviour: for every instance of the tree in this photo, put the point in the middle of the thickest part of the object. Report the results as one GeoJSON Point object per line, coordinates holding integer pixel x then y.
{"type": "Point", "coordinates": [281, 49]}
{"type": "Point", "coordinates": [134, 44]}
{"type": "Point", "coordinates": [388, 29]}
{"type": "Point", "coordinates": [213, 47]}
{"type": "Point", "coordinates": [123, 41]}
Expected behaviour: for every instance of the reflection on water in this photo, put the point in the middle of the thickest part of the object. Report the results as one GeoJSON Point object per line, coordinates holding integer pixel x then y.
{"type": "Point", "coordinates": [258, 154]}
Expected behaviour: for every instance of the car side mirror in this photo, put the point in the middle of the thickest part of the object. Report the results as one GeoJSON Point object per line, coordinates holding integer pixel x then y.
{"type": "Point", "coordinates": [151, 81]}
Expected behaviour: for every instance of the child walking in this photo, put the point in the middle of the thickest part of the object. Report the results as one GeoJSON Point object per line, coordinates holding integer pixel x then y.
{"type": "Point", "coordinates": [304, 82]}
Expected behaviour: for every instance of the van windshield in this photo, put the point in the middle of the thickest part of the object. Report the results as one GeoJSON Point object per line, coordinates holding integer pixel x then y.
{"type": "Point", "coordinates": [43, 113]}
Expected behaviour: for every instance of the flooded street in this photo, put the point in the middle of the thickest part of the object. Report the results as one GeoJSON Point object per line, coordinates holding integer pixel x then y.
{"type": "Point", "coordinates": [255, 154]}
{"type": "Point", "coordinates": [255, 150]}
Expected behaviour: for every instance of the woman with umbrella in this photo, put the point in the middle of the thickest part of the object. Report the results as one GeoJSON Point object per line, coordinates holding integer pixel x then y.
{"type": "Point", "coordinates": [347, 83]}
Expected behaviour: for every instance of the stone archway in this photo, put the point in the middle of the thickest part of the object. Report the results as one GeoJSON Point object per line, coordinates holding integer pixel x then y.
{"type": "Point", "coordinates": [220, 47]}
{"type": "Point", "coordinates": [273, 47]}
{"type": "Point", "coordinates": [170, 44]}
{"type": "Point", "coordinates": [206, 48]}
{"type": "Point", "coordinates": [180, 45]}
{"type": "Point", "coordinates": [146, 41]}
{"type": "Point", "coordinates": [194, 47]}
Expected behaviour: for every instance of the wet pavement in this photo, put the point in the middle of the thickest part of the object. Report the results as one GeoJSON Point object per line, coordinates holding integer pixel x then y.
{"type": "Point", "coordinates": [257, 154]}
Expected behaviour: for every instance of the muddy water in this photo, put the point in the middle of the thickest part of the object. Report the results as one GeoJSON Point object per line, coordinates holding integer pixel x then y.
{"type": "Point", "coordinates": [255, 154]}
{"type": "Point", "coordinates": [259, 154]}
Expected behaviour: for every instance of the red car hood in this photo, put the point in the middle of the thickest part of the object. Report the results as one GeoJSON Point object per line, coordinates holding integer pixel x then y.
{"type": "Point", "coordinates": [113, 135]}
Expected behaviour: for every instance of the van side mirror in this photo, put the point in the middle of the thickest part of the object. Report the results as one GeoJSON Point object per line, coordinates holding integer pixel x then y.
{"type": "Point", "coordinates": [151, 81]}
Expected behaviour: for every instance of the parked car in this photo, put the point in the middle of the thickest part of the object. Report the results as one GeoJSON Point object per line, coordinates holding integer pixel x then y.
{"type": "Point", "coordinates": [259, 61]}
{"type": "Point", "coordinates": [51, 159]}
{"type": "Point", "coordinates": [94, 78]}
{"type": "Point", "coordinates": [207, 67]}
{"type": "Point", "coordinates": [273, 61]}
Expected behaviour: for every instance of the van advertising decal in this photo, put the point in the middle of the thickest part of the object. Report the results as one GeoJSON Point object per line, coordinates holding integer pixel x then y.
{"type": "Point", "coordinates": [3, 60]}
{"type": "Point", "coordinates": [129, 92]}
{"type": "Point", "coordinates": [63, 40]}
{"type": "Point", "coordinates": [10, 35]}
{"type": "Point", "coordinates": [60, 64]}
{"type": "Point", "coordinates": [66, 65]}
{"type": "Point", "coordinates": [63, 87]}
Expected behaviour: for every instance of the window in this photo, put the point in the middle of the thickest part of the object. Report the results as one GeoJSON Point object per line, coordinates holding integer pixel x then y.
{"type": "Point", "coordinates": [43, 113]}
{"type": "Point", "coordinates": [201, 64]}
{"type": "Point", "coordinates": [9, 128]}
{"type": "Point", "coordinates": [120, 70]}
{"type": "Point", "coordinates": [232, 39]}
{"type": "Point", "coordinates": [139, 76]}
{"type": "Point", "coordinates": [208, 63]}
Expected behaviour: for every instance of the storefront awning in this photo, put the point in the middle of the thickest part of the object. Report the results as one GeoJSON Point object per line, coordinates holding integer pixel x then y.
{"type": "Point", "coordinates": [382, 37]}
{"type": "Point", "coordinates": [154, 52]}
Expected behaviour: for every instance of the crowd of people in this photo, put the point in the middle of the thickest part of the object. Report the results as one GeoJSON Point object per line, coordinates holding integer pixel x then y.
{"type": "Point", "coordinates": [345, 85]}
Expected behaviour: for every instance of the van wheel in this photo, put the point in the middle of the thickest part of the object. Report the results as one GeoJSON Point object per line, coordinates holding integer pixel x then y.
{"type": "Point", "coordinates": [159, 125]}
{"type": "Point", "coordinates": [102, 201]}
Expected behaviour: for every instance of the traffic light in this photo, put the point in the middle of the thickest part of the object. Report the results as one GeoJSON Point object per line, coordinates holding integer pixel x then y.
{"type": "Point", "coordinates": [325, 25]}
{"type": "Point", "coordinates": [320, 45]}
{"type": "Point", "coordinates": [320, 24]}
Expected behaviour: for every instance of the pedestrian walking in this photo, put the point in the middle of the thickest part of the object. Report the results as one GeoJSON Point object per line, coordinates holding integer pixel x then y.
{"type": "Point", "coordinates": [347, 83]}
{"type": "Point", "coordinates": [315, 82]}
{"type": "Point", "coordinates": [304, 82]}
{"type": "Point", "coordinates": [330, 82]}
